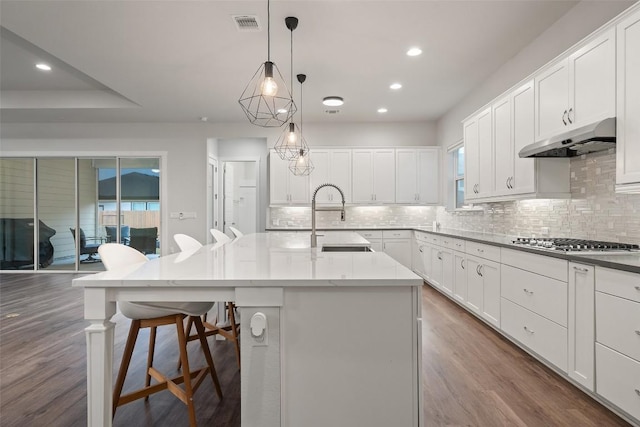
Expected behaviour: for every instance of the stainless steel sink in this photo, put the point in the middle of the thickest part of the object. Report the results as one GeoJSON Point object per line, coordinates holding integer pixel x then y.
{"type": "Point", "coordinates": [346, 249]}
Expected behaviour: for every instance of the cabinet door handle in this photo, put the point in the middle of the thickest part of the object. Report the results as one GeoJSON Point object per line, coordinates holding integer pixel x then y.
{"type": "Point", "coordinates": [478, 269]}
{"type": "Point", "coordinates": [421, 249]}
{"type": "Point", "coordinates": [637, 392]}
{"type": "Point", "coordinates": [569, 115]}
{"type": "Point", "coordinates": [563, 116]}
{"type": "Point", "coordinates": [638, 288]}
{"type": "Point", "coordinates": [480, 250]}
{"type": "Point", "coordinates": [637, 332]}
{"type": "Point", "coordinates": [482, 271]}
{"type": "Point", "coordinates": [529, 330]}
{"type": "Point", "coordinates": [507, 182]}
{"type": "Point", "coordinates": [581, 269]}
{"type": "Point", "coordinates": [440, 256]}
{"type": "Point", "coordinates": [462, 264]}
{"type": "Point", "coordinates": [527, 291]}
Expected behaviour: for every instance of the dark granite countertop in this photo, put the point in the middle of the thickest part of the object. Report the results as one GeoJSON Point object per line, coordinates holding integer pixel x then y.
{"type": "Point", "coordinates": [626, 261]}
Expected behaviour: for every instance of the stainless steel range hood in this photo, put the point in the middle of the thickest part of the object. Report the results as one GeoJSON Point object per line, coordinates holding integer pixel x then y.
{"type": "Point", "coordinates": [587, 139]}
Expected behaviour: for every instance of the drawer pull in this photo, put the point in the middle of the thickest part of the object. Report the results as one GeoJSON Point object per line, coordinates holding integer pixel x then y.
{"type": "Point", "coordinates": [638, 288]}
{"type": "Point", "coordinates": [584, 270]}
{"type": "Point", "coordinates": [637, 332]}
{"type": "Point", "coordinates": [527, 291]}
{"type": "Point", "coordinates": [529, 330]}
{"type": "Point", "coordinates": [481, 251]}
{"type": "Point", "coordinates": [638, 392]}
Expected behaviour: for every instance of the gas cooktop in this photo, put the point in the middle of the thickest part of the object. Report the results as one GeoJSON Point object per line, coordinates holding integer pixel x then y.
{"type": "Point", "coordinates": [576, 245]}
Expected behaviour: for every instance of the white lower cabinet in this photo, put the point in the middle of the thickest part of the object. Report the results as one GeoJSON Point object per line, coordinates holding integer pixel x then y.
{"type": "Point", "coordinates": [459, 277]}
{"type": "Point", "coordinates": [542, 336]}
{"type": "Point", "coordinates": [397, 243]}
{"type": "Point", "coordinates": [483, 288]}
{"type": "Point", "coordinates": [581, 325]}
{"type": "Point", "coordinates": [417, 247]}
{"type": "Point", "coordinates": [618, 379]}
{"type": "Point", "coordinates": [618, 338]}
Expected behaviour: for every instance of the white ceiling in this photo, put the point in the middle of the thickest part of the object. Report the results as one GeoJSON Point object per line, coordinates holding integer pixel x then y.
{"type": "Point", "coordinates": [176, 61]}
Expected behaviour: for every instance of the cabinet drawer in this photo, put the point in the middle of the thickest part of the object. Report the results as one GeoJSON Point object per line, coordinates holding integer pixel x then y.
{"type": "Point", "coordinates": [371, 234]}
{"type": "Point", "coordinates": [619, 283]}
{"type": "Point", "coordinates": [458, 245]}
{"type": "Point", "coordinates": [483, 251]}
{"type": "Point", "coordinates": [542, 295]}
{"type": "Point", "coordinates": [618, 324]}
{"type": "Point", "coordinates": [447, 242]}
{"type": "Point", "coordinates": [544, 337]}
{"type": "Point", "coordinates": [618, 379]}
{"type": "Point", "coordinates": [421, 236]}
{"type": "Point", "coordinates": [539, 264]}
{"type": "Point", "coordinates": [396, 234]}
{"type": "Point", "coordinates": [434, 239]}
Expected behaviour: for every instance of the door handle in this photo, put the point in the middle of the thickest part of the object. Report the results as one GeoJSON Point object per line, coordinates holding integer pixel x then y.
{"type": "Point", "coordinates": [563, 115]}
{"type": "Point", "coordinates": [569, 115]}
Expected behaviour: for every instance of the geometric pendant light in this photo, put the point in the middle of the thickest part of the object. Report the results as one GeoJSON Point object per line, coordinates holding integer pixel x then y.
{"type": "Point", "coordinates": [301, 165]}
{"type": "Point", "coordinates": [290, 142]}
{"type": "Point", "coordinates": [266, 100]}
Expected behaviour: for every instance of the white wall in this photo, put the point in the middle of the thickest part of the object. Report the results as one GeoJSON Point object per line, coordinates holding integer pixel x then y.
{"type": "Point", "coordinates": [580, 21]}
{"type": "Point", "coordinates": [187, 147]}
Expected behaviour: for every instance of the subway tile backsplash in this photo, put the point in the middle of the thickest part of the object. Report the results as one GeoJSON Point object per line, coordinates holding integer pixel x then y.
{"type": "Point", "coordinates": [594, 212]}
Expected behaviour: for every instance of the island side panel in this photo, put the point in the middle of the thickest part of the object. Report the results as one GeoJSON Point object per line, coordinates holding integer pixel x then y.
{"type": "Point", "coordinates": [349, 356]}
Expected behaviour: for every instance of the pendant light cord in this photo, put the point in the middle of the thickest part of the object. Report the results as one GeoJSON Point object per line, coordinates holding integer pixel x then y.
{"type": "Point", "coordinates": [268, 31]}
{"type": "Point", "coordinates": [291, 84]}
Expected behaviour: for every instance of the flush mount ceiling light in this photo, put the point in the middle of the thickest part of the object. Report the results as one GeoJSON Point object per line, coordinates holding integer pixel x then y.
{"type": "Point", "coordinates": [266, 95]}
{"type": "Point", "coordinates": [290, 143]}
{"type": "Point", "coordinates": [301, 165]}
{"type": "Point", "coordinates": [44, 67]}
{"type": "Point", "coordinates": [414, 51]}
{"type": "Point", "coordinates": [333, 101]}
{"type": "Point", "coordinates": [395, 86]}
{"type": "Point", "coordinates": [382, 110]}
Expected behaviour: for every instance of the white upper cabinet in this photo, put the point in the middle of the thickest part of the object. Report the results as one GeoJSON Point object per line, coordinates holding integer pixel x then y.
{"type": "Point", "coordinates": [503, 142]}
{"type": "Point", "coordinates": [285, 188]}
{"type": "Point", "coordinates": [373, 176]}
{"type": "Point", "coordinates": [513, 123]}
{"type": "Point", "coordinates": [577, 90]}
{"type": "Point", "coordinates": [478, 148]}
{"type": "Point", "coordinates": [331, 166]}
{"type": "Point", "coordinates": [418, 176]}
{"type": "Point", "coordinates": [628, 105]}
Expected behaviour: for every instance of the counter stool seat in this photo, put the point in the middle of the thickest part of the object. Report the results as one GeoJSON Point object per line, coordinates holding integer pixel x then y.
{"type": "Point", "coordinates": [151, 315]}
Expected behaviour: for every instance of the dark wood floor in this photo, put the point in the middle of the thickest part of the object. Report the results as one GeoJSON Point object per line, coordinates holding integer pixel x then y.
{"type": "Point", "coordinates": [471, 375]}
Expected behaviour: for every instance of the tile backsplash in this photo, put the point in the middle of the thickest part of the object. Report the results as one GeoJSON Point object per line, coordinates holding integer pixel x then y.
{"type": "Point", "coordinates": [595, 211]}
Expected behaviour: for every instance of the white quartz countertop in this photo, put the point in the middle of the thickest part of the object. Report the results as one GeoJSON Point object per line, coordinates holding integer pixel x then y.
{"type": "Point", "coordinates": [276, 259]}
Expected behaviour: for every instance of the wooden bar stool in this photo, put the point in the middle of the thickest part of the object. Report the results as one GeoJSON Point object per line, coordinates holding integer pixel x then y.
{"type": "Point", "coordinates": [231, 331]}
{"type": "Point", "coordinates": [151, 315]}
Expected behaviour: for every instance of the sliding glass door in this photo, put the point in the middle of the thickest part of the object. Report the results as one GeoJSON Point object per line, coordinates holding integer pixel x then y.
{"type": "Point", "coordinates": [78, 204]}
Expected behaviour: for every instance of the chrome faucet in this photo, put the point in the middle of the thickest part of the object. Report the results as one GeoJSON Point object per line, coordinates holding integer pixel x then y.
{"type": "Point", "coordinates": [314, 237]}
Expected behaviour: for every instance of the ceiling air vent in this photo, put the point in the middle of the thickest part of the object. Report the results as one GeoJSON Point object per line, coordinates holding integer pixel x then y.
{"type": "Point", "coordinates": [247, 22]}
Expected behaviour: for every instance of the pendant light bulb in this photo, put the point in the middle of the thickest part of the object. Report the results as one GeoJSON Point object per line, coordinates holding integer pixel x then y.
{"type": "Point", "coordinates": [269, 86]}
{"type": "Point", "coordinates": [292, 137]}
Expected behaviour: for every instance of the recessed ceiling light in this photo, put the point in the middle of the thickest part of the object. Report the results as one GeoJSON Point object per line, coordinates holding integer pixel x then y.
{"type": "Point", "coordinates": [333, 101]}
{"type": "Point", "coordinates": [382, 110]}
{"type": "Point", "coordinates": [414, 51]}
{"type": "Point", "coordinates": [204, 119]}
{"type": "Point", "coordinates": [395, 86]}
{"type": "Point", "coordinates": [43, 67]}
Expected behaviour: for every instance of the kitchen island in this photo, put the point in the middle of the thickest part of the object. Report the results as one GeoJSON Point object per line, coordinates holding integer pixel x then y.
{"type": "Point", "coordinates": [342, 339]}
